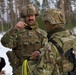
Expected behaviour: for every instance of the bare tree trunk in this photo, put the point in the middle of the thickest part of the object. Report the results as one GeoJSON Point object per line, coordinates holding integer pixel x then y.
{"type": "Point", "coordinates": [63, 10]}
{"type": "Point", "coordinates": [12, 16]}
{"type": "Point", "coordinates": [67, 4]}
{"type": "Point", "coordinates": [1, 19]}
{"type": "Point", "coordinates": [16, 12]}
{"type": "Point", "coordinates": [7, 15]}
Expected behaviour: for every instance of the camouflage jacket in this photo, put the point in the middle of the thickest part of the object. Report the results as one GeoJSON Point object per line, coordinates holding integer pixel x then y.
{"type": "Point", "coordinates": [66, 41]}
{"type": "Point", "coordinates": [26, 41]}
{"type": "Point", "coordinates": [23, 42]}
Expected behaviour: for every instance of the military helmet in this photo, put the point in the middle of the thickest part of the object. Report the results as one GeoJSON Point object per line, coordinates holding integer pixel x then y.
{"type": "Point", "coordinates": [54, 16]}
{"type": "Point", "coordinates": [28, 10]}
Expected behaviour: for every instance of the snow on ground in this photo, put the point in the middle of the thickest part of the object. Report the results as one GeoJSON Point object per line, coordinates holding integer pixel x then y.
{"type": "Point", "coordinates": [3, 50]}
{"type": "Point", "coordinates": [74, 31]}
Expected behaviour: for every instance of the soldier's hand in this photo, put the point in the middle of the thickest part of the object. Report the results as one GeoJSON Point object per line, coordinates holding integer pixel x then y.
{"type": "Point", "coordinates": [20, 25]}
{"type": "Point", "coordinates": [35, 55]}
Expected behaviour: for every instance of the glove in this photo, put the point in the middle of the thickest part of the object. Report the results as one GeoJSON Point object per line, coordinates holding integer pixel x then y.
{"type": "Point", "coordinates": [35, 55]}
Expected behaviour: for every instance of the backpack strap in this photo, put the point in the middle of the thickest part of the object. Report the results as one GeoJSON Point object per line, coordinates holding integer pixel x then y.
{"type": "Point", "coordinates": [69, 55]}
{"type": "Point", "coordinates": [61, 51]}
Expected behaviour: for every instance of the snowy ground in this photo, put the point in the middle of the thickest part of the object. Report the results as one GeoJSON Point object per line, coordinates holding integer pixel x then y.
{"type": "Point", "coordinates": [3, 50]}
{"type": "Point", "coordinates": [74, 31]}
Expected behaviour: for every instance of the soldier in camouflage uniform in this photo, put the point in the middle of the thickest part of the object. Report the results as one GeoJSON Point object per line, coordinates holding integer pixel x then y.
{"type": "Point", "coordinates": [62, 39]}
{"type": "Point", "coordinates": [27, 41]}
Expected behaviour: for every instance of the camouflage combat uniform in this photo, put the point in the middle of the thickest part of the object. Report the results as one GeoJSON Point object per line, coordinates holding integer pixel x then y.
{"type": "Point", "coordinates": [62, 38]}
{"type": "Point", "coordinates": [23, 42]}
{"type": "Point", "coordinates": [65, 40]}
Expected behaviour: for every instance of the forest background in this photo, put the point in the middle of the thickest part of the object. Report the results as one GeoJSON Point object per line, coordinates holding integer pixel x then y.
{"type": "Point", "coordinates": [10, 11]}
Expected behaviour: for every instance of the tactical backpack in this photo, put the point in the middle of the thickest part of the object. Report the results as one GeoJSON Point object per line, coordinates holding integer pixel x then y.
{"type": "Point", "coordinates": [66, 46]}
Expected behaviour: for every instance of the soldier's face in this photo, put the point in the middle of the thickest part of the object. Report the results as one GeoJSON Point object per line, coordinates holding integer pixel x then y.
{"type": "Point", "coordinates": [30, 19]}
{"type": "Point", "coordinates": [49, 27]}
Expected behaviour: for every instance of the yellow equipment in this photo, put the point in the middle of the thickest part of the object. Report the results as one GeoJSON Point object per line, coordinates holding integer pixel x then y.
{"type": "Point", "coordinates": [25, 68]}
